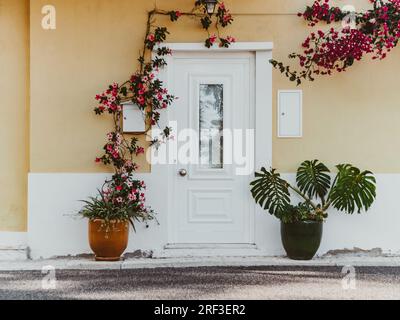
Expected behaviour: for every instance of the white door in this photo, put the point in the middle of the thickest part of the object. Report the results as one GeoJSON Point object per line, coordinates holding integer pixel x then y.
{"type": "Point", "coordinates": [211, 198]}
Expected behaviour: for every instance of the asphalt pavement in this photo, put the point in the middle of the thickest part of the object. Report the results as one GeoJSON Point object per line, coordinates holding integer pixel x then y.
{"type": "Point", "coordinates": [210, 283]}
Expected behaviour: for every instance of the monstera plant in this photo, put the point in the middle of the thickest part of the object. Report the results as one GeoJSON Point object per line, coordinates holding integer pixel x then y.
{"type": "Point", "coordinates": [351, 190]}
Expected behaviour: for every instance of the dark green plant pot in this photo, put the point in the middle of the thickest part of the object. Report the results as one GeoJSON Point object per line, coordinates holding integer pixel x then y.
{"type": "Point", "coordinates": [301, 240]}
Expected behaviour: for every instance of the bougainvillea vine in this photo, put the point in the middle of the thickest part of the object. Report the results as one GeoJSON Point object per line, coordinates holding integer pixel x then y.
{"type": "Point", "coordinates": [147, 92]}
{"type": "Point", "coordinates": [375, 32]}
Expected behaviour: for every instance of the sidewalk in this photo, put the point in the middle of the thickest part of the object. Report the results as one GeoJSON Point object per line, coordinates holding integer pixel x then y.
{"type": "Point", "coordinates": [87, 263]}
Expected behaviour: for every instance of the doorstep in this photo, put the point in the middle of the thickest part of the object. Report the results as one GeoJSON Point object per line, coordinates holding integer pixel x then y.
{"type": "Point", "coordinates": [193, 262]}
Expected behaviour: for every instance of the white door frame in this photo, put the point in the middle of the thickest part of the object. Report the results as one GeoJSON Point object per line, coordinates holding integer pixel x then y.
{"type": "Point", "coordinates": [263, 110]}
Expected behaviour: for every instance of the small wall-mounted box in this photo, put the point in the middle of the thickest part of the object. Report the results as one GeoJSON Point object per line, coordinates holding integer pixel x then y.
{"type": "Point", "coordinates": [290, 113]}
{"type": "Point", "coordinates": [134, 119]}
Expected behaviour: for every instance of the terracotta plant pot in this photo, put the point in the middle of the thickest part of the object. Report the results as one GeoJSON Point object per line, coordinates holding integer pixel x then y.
{"type": "Point", "coordinates": [108, 241]}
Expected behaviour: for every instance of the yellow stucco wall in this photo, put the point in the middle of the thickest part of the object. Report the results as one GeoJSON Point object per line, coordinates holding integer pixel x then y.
{"type": "Point", "coordinates": [14, 113]}
{"type": "Point", "coordinates": [350, 117]}
{"type": "Point", "coordinates": [347, 117]}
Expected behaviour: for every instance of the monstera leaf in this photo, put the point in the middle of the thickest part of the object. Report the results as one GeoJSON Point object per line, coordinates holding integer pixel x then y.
{"type": "Point", "coordinates": [354, 190]}
{"type": "Point", "coordinates": [313, 179]}
{"type": "Point", "coordinates": [271, 192]}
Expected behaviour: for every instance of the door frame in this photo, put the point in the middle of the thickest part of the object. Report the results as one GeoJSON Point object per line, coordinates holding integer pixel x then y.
{"type": "Point", "coordinates": [262, 104]}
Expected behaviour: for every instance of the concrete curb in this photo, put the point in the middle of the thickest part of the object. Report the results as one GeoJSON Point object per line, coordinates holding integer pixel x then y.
{"type": "Point", "coordinates": [129, 264]}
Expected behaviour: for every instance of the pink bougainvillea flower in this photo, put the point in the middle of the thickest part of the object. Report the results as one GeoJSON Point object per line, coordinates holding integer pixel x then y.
{"type": "Point", "coordinates": [128, 163]}
{"type": "Point", "coordinates": [115, 155]}
{"type": "Point", "coordinates": [376, 32]}
{"type": "Point", "coordinates": [118, 188]}
{"type": "Point", "coordinates": [141, 100]}
{"type": "Point", "coordinates": [139, 151]}
{"type": "Point", "coordinates": [132, 197]}
{"type": "Point", "coordinates": [151, 37]}
{"type": "Point", "coordinates": [227, 18]}
{"type": "Point", "coordinates": [119, 138]}
{"type": "Point", "coordinates": [213, 38]}
{"type": "Point", "coordinates": [110, 148]}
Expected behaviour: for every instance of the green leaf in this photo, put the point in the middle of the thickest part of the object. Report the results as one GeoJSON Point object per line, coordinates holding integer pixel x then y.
{"type": "Point", "coordinates": [273, 62]}
{"type": "Point", "coordinates": [271, 192]}
{"type": "Point", "coordinates": [206, 22]}
{"type": "Point", "coordinates": [313, 179]}
{"type": "Point", "coordinates": [355, 190]}
{"type": "Point", "coordinates": [124, 91]}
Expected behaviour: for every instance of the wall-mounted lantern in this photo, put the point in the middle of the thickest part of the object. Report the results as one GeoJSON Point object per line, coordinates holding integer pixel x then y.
{"type": "Point", "coordinates": [210, 5]}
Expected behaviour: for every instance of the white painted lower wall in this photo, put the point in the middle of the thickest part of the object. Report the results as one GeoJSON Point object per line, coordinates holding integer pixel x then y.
{"type": "Point", "coordinates": [54, 229]}
{"type": "Point", "coordinates": [13, 246]}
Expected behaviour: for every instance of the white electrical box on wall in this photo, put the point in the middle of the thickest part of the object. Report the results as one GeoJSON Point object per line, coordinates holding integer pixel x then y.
{"type": "Point", "coordinates": [133, 118]}
{"type": "Point", "coordinates": [290, 113]}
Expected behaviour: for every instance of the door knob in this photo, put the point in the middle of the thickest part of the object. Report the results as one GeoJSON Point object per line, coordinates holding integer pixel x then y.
{"type": "Point", "coordinates": [183, 172]}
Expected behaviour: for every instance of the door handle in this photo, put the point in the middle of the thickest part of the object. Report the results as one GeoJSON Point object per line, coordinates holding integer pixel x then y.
{"type": "Point", "coordinates": [183, 172]}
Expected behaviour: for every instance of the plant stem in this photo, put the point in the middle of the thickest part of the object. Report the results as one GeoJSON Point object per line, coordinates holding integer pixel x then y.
{"type": "Point", "coordinates": [150, 15]}
{"type": "Point", "coordinates": [301, 194]}
{"type": "Point", "coordinates": [328, 199]}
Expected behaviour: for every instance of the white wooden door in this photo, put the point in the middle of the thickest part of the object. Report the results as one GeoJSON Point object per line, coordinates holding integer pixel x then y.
{"type": "Point", "coordinates": [211, 202]}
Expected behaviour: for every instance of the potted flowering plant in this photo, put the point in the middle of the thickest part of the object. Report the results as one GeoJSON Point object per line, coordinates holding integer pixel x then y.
{"type": "Point", "coordinates": [121, 200]}
{"type": "Point", "coordinates": [352, 190]}
{"type": "Point", "coordinates": [120, 203]}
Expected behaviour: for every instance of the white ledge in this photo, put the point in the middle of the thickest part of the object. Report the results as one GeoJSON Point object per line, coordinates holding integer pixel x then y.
{"type": "Point", "coordinates": [196, 262]}
{"type": "Point", "coordinates": [238, 46]}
